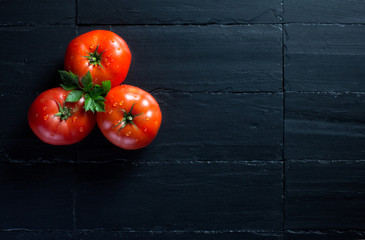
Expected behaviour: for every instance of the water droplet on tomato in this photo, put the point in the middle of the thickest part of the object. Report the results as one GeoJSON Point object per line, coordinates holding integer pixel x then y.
{"type": "Point", "coordinates": [81, 129]}
{"type": "Point", "coordinates": [36, 115]}
{"type": "Point", "coordinates": [137, 139]}
{"type": "Point", "coordinates": [92, 47]}
{"type": "Point", "coordinates": [109, 55]}
{"type": "Point", "coordinates": [110, 112]}
{"type": "Point", "coordinates": [46, 117]}
{"type": "Point", "coordinates": [44, 108]}
{"type": "Point", "coordinates": [145, 130]}
{"type": "Point", "coordinates": [72, 57]}
{"type": "Point", "coordinates": [74, 119]}
{"type": "Point", "coordinates": [118, 49]}
{"type": "Point", "coordinates": [58, 127]}
{"type": "Point", "coordinates": [128, 134]}
{"type": "Point", "coordinates": [115, 104]}
{"type": "Point", "coordinates": [147, 118]}
{"type": "Point", "coordinates": [107, 64]}
{"type": "Point", "coordinates": [52, 134]}
{"type": "Point", "coordinates": [113, 40]}
{"type": "Point", "coordinates": [121, 103]}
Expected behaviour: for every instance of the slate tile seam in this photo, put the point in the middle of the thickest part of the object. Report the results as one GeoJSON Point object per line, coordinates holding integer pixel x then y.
{"type": "Point", "coordinates": [327, 92]}
{"type": "Point", "coordinates": [36, 162]}
{"type": "Point", "coordinates": [37, 25]}
{"type": "Point", "coordinates": [178, 162]}
{"type": "Point", "coordinates": [147, 162]}
{"type": "Point", "coordinates": [324, 230]}
{"type": "Point", "coordinates": [224, 24]}
{"type": "Point", "coordinates": [19, 230]}
{"type": "Point", "coordinates": [326, 233]}
{"type": "Point", "coordinates": [180, 24]}
{"type": "Point", "coordinates": [325, 23]}
{"type": "Point", "coordinates": [183, 24]}
{"type": "Point", "coordinates": [283, 117]}
{"type": "Point", "coordinates": [325, 161]}
{"type": "Point", "coordinates": [157, 92]}
{"type": "Point", "coordinates": [224, 90]}
{"type": "Point", "coordinates": [33, 230]}
{"type": "Point", "coordinates": [128, 230]}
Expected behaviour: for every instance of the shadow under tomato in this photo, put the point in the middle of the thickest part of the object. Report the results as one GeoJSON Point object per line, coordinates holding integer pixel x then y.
{"type": "Point", "coordinates": [17, 142]}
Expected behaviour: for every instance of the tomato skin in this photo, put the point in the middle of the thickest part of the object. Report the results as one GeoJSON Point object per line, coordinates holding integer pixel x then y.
{"type": "Point", "coordinates": [52, 129]}
{"type": "Point", "coordinates": [147, 123]}
{"type": "Point", "coordinates": [115, 59]}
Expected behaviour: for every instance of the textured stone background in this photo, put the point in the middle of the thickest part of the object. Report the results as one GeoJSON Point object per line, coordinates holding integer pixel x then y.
{"type": "Point", "coordinates": [263, 133]}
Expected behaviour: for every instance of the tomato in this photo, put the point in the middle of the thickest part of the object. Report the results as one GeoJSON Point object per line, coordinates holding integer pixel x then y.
{"type": "Point", "coordinates": [105, 54]}
{"type": "Point", "coordinates": [131, 119]}
{"type": "Point", "coordinates": [59, 123]}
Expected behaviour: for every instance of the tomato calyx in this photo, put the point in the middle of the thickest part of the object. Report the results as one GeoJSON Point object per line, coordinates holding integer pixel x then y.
{"type": "Point", "coordinates": [95, 57]}
{"type": "Point", "coordinates": [127, 119]}
{"type": "Point", "coordinates": [64, 112]}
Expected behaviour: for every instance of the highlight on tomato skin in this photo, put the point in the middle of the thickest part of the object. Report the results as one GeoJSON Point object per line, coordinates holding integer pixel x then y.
{"type": "Point", "coordinates": [132, 117]}
{"type": "Point", "coordinates": [57, 122]}
{"type": "Point", "coordinates": [103, 53]}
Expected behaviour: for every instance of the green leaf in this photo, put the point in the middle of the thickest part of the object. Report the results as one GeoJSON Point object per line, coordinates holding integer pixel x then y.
{"type": "Point", "coordinates": [106, 86]}
{"type": "Point", "coordinates": [89, 103]}
{"type": "Point", "coordinates": [69, 78]}
{"type": "Point", "coordinates": [99, 99]}
{"type": "Point", "coordinates": [74, 96]}
{"type": "Point", "coordinates": [93, 93]}
{"type": "Point", "coordinates": [96, 91]}
{"type": "Point", "coordinates": [100, 106]}
{"type": "Point", "coordinates": [68, 86]}
{"type": "Point", "coordinates": [87, 82]}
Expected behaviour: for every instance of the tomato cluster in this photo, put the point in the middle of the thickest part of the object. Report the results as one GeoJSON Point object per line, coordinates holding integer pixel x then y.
{"type": "Point", "coordinates": [96, 63]}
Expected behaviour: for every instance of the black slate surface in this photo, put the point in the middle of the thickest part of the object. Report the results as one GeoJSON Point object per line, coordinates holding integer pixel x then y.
{"type": "Point", "coordinates": [196, 196]}
{"type": "Point", "coordinates": [37, 197]}
{"type": "Point", "coordinates": [178, 12]}
{"type": "Point", "coordinates": [324, 11]}
{"type": "Point", "coordinates": [325, 195]}
{"type": "Point", "coordinates": [262, 133]}
{"type": "Point", "coordinates": [205, 58]}
{"type": "Point", "coordinates": [324, 126]}
{"type": "Point", "coordinates": [35, 44]}
{"type": "Point", "coordinates": [324, 57]}
{"type": "Point", "coordinates": [46, 12]}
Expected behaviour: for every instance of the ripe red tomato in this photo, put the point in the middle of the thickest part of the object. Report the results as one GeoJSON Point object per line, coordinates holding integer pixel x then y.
{"type": "Point", "coordinates": [105, 54]}
{"type": "Point", "coordinates": [131, 119]}
{"type": "Point", "coordinates": [59, 123]}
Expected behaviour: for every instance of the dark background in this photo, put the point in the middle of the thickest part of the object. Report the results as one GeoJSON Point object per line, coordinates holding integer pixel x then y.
{"type": "Point", "coordinates": [263, 132]}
